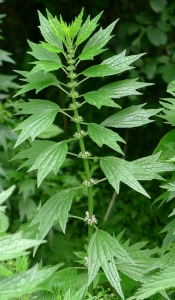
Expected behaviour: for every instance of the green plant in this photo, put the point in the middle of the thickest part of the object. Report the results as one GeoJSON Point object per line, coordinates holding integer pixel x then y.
{"type": "Point", "coordinates": [125, 267]}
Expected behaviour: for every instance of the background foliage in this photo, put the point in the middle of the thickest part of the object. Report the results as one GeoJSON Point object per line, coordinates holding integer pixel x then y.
{"type": "Point", "coordinates": [146, 26]}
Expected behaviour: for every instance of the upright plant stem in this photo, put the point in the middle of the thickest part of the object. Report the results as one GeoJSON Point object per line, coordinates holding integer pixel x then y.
{"type": "Point", "coordinates": [72, 84]}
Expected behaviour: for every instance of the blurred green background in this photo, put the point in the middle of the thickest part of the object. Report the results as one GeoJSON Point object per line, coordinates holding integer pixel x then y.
{"type": "Point", "coordinates": [143, 27]}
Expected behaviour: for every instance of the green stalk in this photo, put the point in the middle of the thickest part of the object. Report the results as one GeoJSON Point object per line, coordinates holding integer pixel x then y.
{"type": "Point", "coordinates": [72, 75]}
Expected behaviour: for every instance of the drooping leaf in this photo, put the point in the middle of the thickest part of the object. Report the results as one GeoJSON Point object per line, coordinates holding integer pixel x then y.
{"type": "Point", "coordinates": [158, 282]}
{"type": "Point", "coordinates": [38, 80]}
{"type": "Point", "coordinates": [130, 117]}
{"type": "Point", "coordinates": [99, 98]}
{"type": "Point", "coordinates": [55, 210]}
{"type": "Point", "coordinates": [24, 282]}
{"type": "Point", "coordinates": [116, 170]}
{"type": "Point", "coordinates": [6, 194]}
{"type": "Point", "coordinates": [113, 65]}
{"type": "Point", "coordinates": [48, 34]}
{"type": "Point", "coordinates": [87, 28]}
{"type": "Point", "coordinates": [96, 42]}
{"type": "Point", "coordinates": [44, 113]}
{"type": "Point", "coordinates": [101, 135]}
{"type": "Point", "coordinates": [166, 146]}
{"type": "Point", "coordinates": [42, 54]}
{"type": "Point", "coordinates": [50, 159]}
{"type": "Point", "coordinates": [146, 168]}
{"type": "Point", "coordinates": [32, 153]}
{"type": "Point", "coordinates": [13, 246]}
{"type": "Point", "coordinates": [101, 252]}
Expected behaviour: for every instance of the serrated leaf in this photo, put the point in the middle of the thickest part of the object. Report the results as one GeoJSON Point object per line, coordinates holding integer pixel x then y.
{"type": "Point", "coordinates": [5, 56]}
{"type": "Point", "coordinates": [56, 27]}
{"type": "Point", "coordinates": [78, 294]}
{"type": "Point", "coordinates": [166, 146]}
{"type": "Point", "coordinates": [96, 42]}
{"type": "Point", "coordinates": [50, 159]}
{"type": "Point", "coordinates": [6, 82]}
{"type": "Point", "coordinates": [158, 282]}
{"type": "Point", "coordinates": [38, 80]}
{"type": "Point", "coordinates": [170, 236]}
{"type": "Point", "coordinates": [113, 65]}
{"type": "Point", "coordinates": [87, 28]}
{"type": "Point", "coordinates": [13, 246]}
{"type": "Point", "coordinates": [42, 54]}
{"type": "Point", "coordinates": [54, 295]}
{"type": "Point", "coordinates": [124, 88]}
{"type": "Point", "coordinates": [101, 252]}
{"type": "Point", "coordinates": [116, 170]}
{"type": "Point", "coordinates": [99, 98]}
{"type": "Point", "coordinates": [130, 117]}
{"type": "Point", "coordinates": [76, 25]}
{"type": "Point", "coordinates": [27, 187]}
{"type": "Point", "coordinates": [44, 113]}
{"type": "Point", "coordinates": [158, 5]}
{"type": "Point", "coordinates": [146, 168]}
{"type": "Point", "coordinates": [6, 194]}
{"type": "Point", "coordinates": [32, 153]}
{"type": "Point", "coordinates": [56, 209]}
{"type": "Point", "coordinates": [101, 135]}
{"type": "Point", "coordinates": [46, 66]}
{"type": "Point", "coordinates": [47, 33]}
{"type": "Point", "coordinates": [156, 36]}
{"type": "Point", "coordinates": [168, 112]}
{"type": "Point", "coordinates": [24, 282]}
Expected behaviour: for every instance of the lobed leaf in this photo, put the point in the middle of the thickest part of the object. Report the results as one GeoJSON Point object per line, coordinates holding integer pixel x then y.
{"type": "Point", "coordinates": [13, 246]}
{"type": "Point", "coordinates": [35, 124]}
{"type": "Point", "coordinates": [99, 98]}
{"type": "Point", "coordinates": [113, 65]}
{"type": "Point", "coordinates": [87, 28]}
{"type": "Point", "coordinates": [32, 153]}
{"type": "Point", "coordinates": [101, 135]}
{"type": "Point", "coordinates": [46, 66]}
{"type": "Point", "coordinates": [116, 170]}
{"type": "Point", "coordinates": [49, 36]}
{"type": "Point", "coordinates": [55, 26]}
{"type": "Point", "coordinates": [38, 80]}
{"type": "Point", "coordinates": [146, 168]}
{"type": "Point", "coordinates": [76, 25]}
{"type": "Point", "coordinates": [101, 252]}
{"type": "Point", "coordinates": [55, 210]}
{"type": "Point", "coordinates": [50, 159]}
{"type": "Point", "coordinates": [158, 282]}
{"type": "Point", "coordinates": [166, 146]}
{"type": "Point", "coordinates": [24, 282]}
{"type": "Point", "coordinates": [34, 106]}
{"type": "Point", "coordinates": [130, 117]}
{"type": "Point", "coordinates": [50, 48]}
{"type": "Point", "coordinates": [96, 42]}
{"type": "Point", "coordinates": [42, 54]}
{"type": "Point", "coordinates": [6, 82]}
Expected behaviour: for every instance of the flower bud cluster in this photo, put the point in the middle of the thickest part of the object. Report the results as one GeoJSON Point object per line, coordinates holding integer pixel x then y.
{"type": "Point", "coordinates": [87, 183]}
{"type": "Point", "coordinates": [79, 119]}
{"type": "Point", "coordinates": [72, 84]}
{"type": "Point", "coordinates": [88, 220]}
{"type": "Point", "coordinates": [74, 106]}
{"type": "Point", "coordinates": [73, 94]}
{"type": "Point", "coordinates": [84, 155]}
{"type": "Point", "coordinates": [80, 135]}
